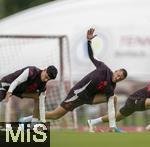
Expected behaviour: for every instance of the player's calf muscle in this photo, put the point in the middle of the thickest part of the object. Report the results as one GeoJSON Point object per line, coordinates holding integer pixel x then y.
{"type": "Point", "coordinates": [56, 114]}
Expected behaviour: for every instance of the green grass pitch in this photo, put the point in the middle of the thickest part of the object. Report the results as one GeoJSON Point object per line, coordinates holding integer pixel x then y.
{"type": "Point", "coordinates": [86, 139]}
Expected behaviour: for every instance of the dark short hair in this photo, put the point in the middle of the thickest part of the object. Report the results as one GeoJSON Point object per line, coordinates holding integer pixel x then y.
{"type": "Point", "coordinates": [52, 71]}
{"type": "Point", "coordinates": [125, 73]}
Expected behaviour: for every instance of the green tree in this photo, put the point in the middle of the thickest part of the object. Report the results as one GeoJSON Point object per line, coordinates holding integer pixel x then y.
{"type": "Point", "coordinates": [2, 8]}
{"type": "Point", "coordinates": [8, 7]}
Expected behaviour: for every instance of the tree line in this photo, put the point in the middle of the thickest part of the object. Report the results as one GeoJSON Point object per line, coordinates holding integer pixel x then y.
{"type": "Point", "coordinates": [9, 7]}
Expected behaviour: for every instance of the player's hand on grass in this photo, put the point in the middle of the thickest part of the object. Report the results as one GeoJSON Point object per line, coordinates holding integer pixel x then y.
{"type": "Point", "coordinates": [111, 130]}
{"type": "Point", "coordinates": [116, 130]}
{"type": "Point", "coordinates": [90, 34]}
{"type": "Point", "coordinates": [8, 96]}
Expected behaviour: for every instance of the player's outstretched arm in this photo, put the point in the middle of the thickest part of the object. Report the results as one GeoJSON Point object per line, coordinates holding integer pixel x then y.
{"type": "Point", "coordinates": [90, 36]}
{"type": "Point", "coordinates": [22, 78]}
{"type": "Point", "coordinates": [111, 112]}
{"type": "Point", "coordinates": [115, 104]}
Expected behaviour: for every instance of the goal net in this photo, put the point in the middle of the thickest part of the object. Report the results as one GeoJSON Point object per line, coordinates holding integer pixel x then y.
{"type": "Point", "coordinates": [18, 51]}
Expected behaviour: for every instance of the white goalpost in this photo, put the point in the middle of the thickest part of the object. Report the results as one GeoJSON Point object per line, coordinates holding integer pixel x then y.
{"type": "Point", "coordinates": [18, 51]}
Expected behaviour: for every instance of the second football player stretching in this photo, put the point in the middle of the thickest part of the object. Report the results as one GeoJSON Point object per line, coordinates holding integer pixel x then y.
{"type": "Point", "coordinates": [138, 101]}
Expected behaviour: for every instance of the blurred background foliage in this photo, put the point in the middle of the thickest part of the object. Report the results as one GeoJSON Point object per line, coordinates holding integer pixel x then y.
{"type": "Point", "coordinates": [8, 7]}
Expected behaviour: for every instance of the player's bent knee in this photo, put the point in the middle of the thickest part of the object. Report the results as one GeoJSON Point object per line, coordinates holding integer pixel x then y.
{"type": "Point", "coordinates": [147, 103]}
{"type": "Point", "coordinates": [53, 116]}
{"type": "Point", "coordinates": [58, 115]}
{"type": "Point", "coordinates": [119, 116]}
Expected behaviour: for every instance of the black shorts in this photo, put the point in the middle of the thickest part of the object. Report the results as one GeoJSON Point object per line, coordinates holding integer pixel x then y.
{"type": "Point", "coordinates": [2, 94]}
{"type": "Point", "coordinates": [132, 105]}
{"type": "Point", "coordinates": [3, 91]}
{"type": "Point", "coordinates": [73, 101]}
